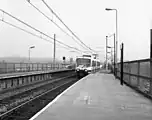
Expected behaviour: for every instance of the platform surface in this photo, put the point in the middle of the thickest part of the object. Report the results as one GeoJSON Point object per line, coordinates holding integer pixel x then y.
{"type": "Point", "coordinates": [97, 97]}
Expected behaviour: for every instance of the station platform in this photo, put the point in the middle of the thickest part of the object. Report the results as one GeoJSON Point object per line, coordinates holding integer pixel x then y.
{"type": "Point", "coordinates": [16, 74]}
{"type": "Point", "coordinates": [97, 96]}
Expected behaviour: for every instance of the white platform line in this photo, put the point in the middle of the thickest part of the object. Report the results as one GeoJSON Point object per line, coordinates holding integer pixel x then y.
{"type": "Point", "coordinates": [48, 105]}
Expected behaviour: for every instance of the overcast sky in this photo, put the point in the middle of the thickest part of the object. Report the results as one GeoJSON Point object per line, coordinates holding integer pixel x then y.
{"type": "Point", "coordinates": [86, 18]}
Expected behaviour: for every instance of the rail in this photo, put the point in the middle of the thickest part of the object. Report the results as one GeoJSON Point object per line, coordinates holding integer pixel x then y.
{"type": "Point", "coordinates": [137, 75]}
{"type": "Point", "coordinates": [44, 94]}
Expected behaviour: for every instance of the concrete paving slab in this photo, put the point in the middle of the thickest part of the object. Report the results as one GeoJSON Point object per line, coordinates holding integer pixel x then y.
{"type": "Point", "coordinates": [98, 97]}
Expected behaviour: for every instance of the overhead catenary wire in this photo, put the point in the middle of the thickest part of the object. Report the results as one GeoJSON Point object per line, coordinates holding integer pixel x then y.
{"type": "Point", "coordinates": [54, 23]}
{"type": "Point", "coordinates": [37, 30]}
{"type": "Point", "coordinates": [36, 35]}
{"type": "Point", "coordinates": [66, 26]}
{"type": "Point", "coordinates": [30, 32]}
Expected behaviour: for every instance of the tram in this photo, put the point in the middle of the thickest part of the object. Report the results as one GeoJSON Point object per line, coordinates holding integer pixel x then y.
{"type": "Point", "coordinates": [86, 64]}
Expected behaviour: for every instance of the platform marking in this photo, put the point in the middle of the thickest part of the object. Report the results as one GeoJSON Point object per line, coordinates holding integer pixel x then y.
{"type": "Point", "coordinates": [48, 105]}
{"type": "Point", "coordinates": [87, 99]}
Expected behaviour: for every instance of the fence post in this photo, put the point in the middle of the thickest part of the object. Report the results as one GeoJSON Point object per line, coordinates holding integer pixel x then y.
{"type": "Point", "coordinates": [21, 67]}
{"type": "Point", "coordinates": [138, 72]}
{"type": "Point", "coordinates": [117, 70]}
{"type": "Point", "coordinates": [37, 66]}
{"type": "Point", "coordinates": [121, 80]}
{"type": "Point", "coordinates": [42, 67]}
{"type": "Point", "coordinates": [27, 67]}
{"type": "Point", "coordinates": [114, 58]}
{"type": "Point", "coordinates": [32, 67]}
{"type": "Point", "coordinates": [129, 73]}
{"type": "Point", "coordinates": [5, 67]}
{"type": "Point", "coordinates": [150, 61]}
{"type": "Point", "coordinates": [14, 67]}
{"type": "Point", "coordinates": [46, 67]}
{"type": "Point", "coordinates": [150, 76]}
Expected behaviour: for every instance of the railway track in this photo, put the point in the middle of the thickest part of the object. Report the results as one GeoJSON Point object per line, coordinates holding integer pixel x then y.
{"type": "Point", "coordinates": [31, 102]}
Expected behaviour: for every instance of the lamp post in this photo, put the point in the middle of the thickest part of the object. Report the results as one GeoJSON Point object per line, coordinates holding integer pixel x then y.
{"type": "Point", "coordinates": [111, 56]}
{"type": "Point", "coordinates": [30, 51]}
{"type": "Point", "coordinates": [106, 51]}
{"type": "Point", "coordinates": [114, 53]}
{"type": "Point", "coordinates": [109, 9]}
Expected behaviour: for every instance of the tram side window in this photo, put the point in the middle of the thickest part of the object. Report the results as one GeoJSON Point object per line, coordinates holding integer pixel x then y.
{"type": "Point", "coordinates": [98, 63]}
{"type": "Point", "coordinates": [93, 63]}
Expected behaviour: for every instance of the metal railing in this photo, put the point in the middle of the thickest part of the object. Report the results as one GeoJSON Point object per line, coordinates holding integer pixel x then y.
{"type": "Point", "coordinates": [137, 75]}
{"type": "Point", "coordinates": [27, 67]}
